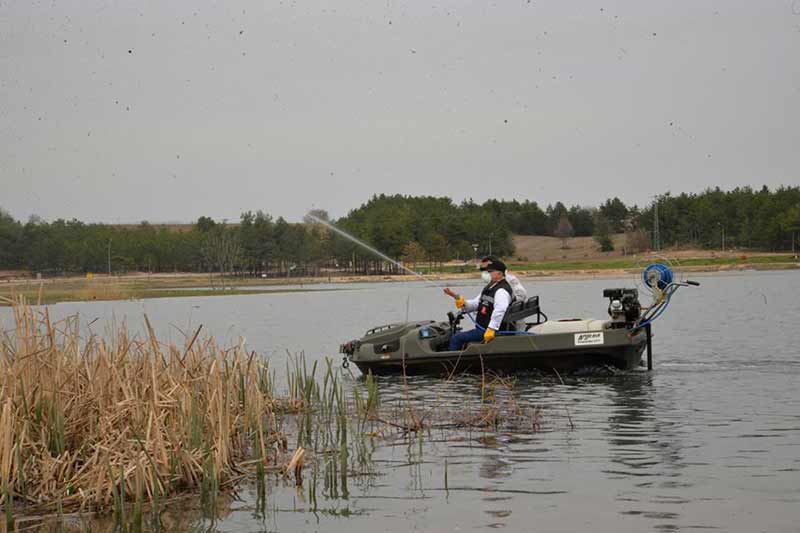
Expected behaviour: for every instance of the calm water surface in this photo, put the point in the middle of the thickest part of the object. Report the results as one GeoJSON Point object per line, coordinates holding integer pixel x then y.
{"type": "Point", "coordinates": [709, 440]}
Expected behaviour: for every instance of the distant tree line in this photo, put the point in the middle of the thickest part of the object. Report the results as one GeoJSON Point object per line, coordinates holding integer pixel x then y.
{"type": "Point", "coordinates": [414, 229]}
{"type": "Point", "coordinates": [748, 219]}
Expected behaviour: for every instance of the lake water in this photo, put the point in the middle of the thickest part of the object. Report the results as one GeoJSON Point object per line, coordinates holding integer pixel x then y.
{"type": "Point", "coordinates": [710, 439]}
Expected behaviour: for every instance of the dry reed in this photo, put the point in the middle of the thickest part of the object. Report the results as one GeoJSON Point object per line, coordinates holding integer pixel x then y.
{"type": "Point", "coordinates": [93, 423]}
{"type": "Point", "coordinates": [112, 424]}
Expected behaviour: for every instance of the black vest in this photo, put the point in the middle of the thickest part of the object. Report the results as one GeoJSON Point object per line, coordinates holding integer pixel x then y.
{"type": "Point", "coordinates": [486, 303]}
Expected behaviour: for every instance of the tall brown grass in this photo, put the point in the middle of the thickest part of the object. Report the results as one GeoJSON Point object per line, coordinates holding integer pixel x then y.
{"type": "Point", "coordinates": [90, 423]}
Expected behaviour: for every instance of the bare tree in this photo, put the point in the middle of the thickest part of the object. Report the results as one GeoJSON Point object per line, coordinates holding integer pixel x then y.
{"type": "Point", "coordinates": [221, 251]}
{"type": "Point", "coordinates": [636, 241]}
{"type": "Point", "coordinates": [413, 253]}
{"type": "Point", "coordinates": [564, 230]}
{"type": "Point", "coordinates": [315, 216]}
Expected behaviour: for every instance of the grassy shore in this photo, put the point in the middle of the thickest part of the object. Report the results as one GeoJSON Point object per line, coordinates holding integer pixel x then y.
{"type": "Point", "coordinates": [141, 286]}
{"type": "Point", "coordinates": [100, 288]}
{"type": "Point", "coordinates": [697, 264]}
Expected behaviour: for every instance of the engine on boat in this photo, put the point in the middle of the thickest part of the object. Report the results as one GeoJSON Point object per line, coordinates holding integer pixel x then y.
{"type": "Point", "coordinates": [623, 306]}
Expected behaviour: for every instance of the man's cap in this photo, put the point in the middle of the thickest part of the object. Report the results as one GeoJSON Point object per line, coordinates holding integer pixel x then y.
{"type": "Point", "coordinates": [495, 264]}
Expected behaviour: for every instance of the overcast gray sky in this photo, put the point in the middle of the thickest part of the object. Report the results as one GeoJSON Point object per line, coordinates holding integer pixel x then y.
{"type": "Point", "coordinates": [169, 110]}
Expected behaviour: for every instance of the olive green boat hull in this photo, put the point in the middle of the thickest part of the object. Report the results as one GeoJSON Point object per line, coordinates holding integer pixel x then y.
{"type": "Point", "coordinates": [404, 351]}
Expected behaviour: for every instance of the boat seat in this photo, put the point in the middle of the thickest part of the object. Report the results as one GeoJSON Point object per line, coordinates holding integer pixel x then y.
{"type": "Point", "coordinates": [570, 326]}
{"type": "Point", "coordinates": [519, 310]}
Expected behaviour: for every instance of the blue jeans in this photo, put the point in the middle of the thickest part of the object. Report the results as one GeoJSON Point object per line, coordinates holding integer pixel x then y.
{"type": "Point", "coordinates": [460, 340]}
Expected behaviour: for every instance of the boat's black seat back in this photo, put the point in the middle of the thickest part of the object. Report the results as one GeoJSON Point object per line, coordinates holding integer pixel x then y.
{"type": "Point", "coordinates": [520, 310]}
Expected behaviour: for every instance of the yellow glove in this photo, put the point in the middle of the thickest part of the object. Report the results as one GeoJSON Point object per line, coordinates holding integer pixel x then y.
{"type": "Point", "coordinates": [488, 335]}
{"type": "Point", "coordinates": [460, 302]}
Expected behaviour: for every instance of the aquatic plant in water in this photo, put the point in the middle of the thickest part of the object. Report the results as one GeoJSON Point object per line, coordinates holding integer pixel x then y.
{"type": "Point", "coordinates": [125, 425]}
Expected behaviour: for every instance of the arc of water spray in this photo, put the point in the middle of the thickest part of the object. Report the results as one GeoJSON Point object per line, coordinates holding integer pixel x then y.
{"type": "Point", "coordinates": [372, 250]}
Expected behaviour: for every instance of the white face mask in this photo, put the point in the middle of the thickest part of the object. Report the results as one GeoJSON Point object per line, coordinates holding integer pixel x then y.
{"type": "Point", "coordinates": [485, 276]}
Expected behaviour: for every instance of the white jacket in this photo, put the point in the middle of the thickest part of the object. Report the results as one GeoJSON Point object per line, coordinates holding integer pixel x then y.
{"type": "Point", "coordinates": [520, 294]}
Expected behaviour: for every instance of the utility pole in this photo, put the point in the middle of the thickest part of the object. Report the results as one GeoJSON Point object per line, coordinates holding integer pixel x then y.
{"type": "Point", "coordinates": [109, 257]}
{"type": "Point", "coordinates": [656, 236]}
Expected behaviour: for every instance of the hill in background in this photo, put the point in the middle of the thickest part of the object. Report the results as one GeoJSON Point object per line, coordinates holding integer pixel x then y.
{"type": "Point", "coordinates": [535, 248]}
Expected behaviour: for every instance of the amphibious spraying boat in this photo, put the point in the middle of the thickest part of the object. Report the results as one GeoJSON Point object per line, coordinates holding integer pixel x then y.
{"type": "Point", "coordinates": [527, 340]}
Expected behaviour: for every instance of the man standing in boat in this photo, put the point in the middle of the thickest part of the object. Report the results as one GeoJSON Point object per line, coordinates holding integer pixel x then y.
{"type": "Point", "coordinates": [490, 306]}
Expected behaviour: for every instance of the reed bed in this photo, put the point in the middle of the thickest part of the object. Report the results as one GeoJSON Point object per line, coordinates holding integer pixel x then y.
{"type": "Point", "coordinates": [117, 423]}
{"type": "Point", "coordinates": [93, 423]}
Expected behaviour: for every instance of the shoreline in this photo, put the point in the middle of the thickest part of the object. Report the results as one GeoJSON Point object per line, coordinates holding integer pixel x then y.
{"type": "Point", "coordinates": [174, 285]}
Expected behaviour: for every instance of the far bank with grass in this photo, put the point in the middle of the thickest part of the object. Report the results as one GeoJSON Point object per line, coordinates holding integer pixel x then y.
{"type": "Point", "coordinates": [142, 286]}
